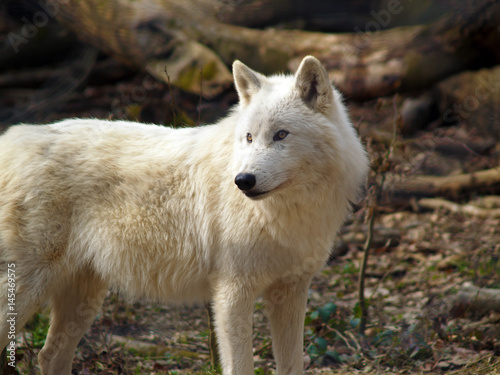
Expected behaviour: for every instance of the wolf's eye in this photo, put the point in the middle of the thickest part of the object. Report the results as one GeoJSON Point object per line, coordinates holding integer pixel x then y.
{"type": "Point", "coordinates": [249, 138]}
{"type": "Point", "coordinates": [280, 135]}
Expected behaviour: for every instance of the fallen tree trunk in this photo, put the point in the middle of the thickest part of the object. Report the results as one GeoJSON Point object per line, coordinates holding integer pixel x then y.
{"type": "Point", "coordinates": [449, 186]}
{"type": "Point", "coordinates": [468, 209]}
{"type": "Point", "coordinates": [150, 34]}
{"type": "Point", "coordinates": [457, 303]}
{"type": "Point", "coordinates": [188, 39]}
{"type": "Point", "coordinates": [472, 298]}
{"type": "Point", "coordinates": [323, 15]}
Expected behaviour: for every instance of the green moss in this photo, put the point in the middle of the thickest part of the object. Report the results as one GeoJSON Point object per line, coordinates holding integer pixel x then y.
{"type": "Point", "coordinates": [189, 77]}
{"type": "Point", "coordinates": [413, 62]}
{"type": "Point", "coordinates": [209, 70]}
{"type": "Point", "coordinates": [183, 120]}
{"type": "Point", "coordinates": [134, 112]}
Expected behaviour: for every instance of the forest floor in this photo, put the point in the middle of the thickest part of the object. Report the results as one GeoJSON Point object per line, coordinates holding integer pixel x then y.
{"type": "Point", "coordinates": [414, 325]}
{"type": "Point", "coordinates": [420, 262]}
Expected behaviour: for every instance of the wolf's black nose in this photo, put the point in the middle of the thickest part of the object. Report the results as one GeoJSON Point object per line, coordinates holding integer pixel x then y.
{"type": "Point", "coordinates": [245, 181]}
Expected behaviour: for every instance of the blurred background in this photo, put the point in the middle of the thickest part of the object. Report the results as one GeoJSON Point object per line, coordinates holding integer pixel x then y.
{"type": "Point", "coordinates": [421, 80]}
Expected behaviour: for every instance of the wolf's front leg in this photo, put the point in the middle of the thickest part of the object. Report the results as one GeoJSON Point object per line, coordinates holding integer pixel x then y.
{"type": "Point", "coordinates": [233, 306]}
{"type": "Point", "coordinates": [285, 304]}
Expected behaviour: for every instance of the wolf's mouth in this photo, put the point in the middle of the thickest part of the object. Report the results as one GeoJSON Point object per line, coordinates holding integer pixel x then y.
{"type": "Point", "coordinates": [260, 194]}
{"type": "Point", "coordinates": [255, 194]}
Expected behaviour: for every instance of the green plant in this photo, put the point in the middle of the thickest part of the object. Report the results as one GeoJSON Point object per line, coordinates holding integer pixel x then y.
{"type": "Point", "coordinates": [38, 327]}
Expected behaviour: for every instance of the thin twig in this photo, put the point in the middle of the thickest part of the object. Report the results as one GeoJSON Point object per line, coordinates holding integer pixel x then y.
{"type": "Point", "coordinates": [374, 196]}
{"type": "Point", "coordinates": [353, 338]}
{"type": "Point", "coordinates": [371, 213]}
{"type": "Point", "coordinates": [171, 97]}
{"type": "Point", "coordinates": [345, 339]}
{"type": "Point", "coordinates": [214, 350]}
{"type": "Point", "coordinates": [201, 95]}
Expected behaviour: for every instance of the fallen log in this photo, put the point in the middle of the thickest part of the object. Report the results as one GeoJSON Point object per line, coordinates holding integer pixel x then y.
{"type": "Point", "coordinates": [457, 302]}
{"type": "Point", "coordinates": [488, 201]}
{"type": "Point", "coordinates": [382, 235]}
{"type": "Point", "coordinates": [449, 186]}
{"type": "Point", "coordinates": [467, 209]}
{"type": "Point", "coordinates": [196, 47]}
{"type": "Point", "coordinates": [352, 235]}
{"type": "Point", "coordinates": [472, 298]}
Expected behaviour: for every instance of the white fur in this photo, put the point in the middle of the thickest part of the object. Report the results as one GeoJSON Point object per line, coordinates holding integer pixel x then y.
{"type": "Point", "coordinates": [154, 213]}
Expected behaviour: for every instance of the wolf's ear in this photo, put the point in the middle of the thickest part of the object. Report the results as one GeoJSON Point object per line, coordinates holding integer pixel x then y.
{"type": "Point", "coordinates": [247, 81]}
{"type": "Point", "coordinates": [314, 85]}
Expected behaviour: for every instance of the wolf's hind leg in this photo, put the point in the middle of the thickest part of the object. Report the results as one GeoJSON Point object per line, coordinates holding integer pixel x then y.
{"type": "Point", "coordinates": [74, 307]}
{"type": "Point", "coordinates": [29, 294]}
{"type": "Point", "coordinates": [24, 312]}
{"type": "Point", "coordinates": [18, 321]}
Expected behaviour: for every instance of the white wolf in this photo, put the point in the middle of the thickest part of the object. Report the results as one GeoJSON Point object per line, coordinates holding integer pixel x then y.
{"type": "Point", "coordinates": [224, 213]}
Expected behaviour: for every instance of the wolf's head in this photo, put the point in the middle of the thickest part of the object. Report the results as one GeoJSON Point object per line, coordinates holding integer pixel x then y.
{"type": "Point", "coordinates": [293, 132]}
